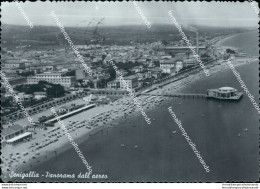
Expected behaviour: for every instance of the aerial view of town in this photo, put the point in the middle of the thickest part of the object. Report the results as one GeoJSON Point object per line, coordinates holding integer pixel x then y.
{"type": "Point", "coordinates": [129, 92]}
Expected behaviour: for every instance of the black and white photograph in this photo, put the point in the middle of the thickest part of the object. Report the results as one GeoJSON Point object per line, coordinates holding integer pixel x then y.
{"type": "Point", "coordinates": [130, 92]}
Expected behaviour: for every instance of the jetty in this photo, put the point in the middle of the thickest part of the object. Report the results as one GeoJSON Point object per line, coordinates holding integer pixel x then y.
{"type": "Point", "coordinates": [178, 95]}
{"type": "Point", "coordinates": [223, 93]}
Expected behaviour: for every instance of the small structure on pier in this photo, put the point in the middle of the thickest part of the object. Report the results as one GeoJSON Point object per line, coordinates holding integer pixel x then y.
{"type": "Point", "coordinates": [224, 93]}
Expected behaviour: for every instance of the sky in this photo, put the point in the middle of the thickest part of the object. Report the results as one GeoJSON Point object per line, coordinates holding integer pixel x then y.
{"type": "Point", "coordinates": [213, 14]}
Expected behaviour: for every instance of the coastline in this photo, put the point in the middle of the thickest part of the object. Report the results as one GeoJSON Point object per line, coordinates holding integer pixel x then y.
{"type": "Point", "coordinates": [220, 43]}
{"type": "Point", "coordinates": [82, 134]}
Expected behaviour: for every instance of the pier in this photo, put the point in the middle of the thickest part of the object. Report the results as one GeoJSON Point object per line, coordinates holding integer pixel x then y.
{"type": "Point", "coordinates": [194, 95]}
{"type": "Point", "coordinates": [223, 93]}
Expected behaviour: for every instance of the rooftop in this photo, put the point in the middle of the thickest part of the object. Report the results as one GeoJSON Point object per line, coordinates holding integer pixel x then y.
{"type": "Point", "coordinates": [114, 81]}
{"type": "Point", "coordinates": [21, 136]}
{"type": "Point", "coordinates": [224, 90]}
{"type": "Point", "coordinates": [39, 93]}
{"type": "Point", "coordinates": [170, 61]}
{"type": "Point", "coordinates": [227, 89]}
{"type": "Point", "coordinates": [131, 77]}
{"type": "Point", "coordinates": [137, 67]}
{"type": "Point", "coordinates": [49, 73]}
{"type": "Point", "coordinates": [184, 47]}
{"type": "Point", "coordinates": [12, 129]}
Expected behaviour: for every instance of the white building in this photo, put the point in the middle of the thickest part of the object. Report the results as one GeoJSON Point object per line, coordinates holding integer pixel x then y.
{"type": "Point", "coordinates": [40, 95]}
{"type": "Point", "coordinates": [168, 66]}
{"type": "Point", "coordinates": [14, 134]}
{"type": "Point", "coordinates": [131, 81]}
{"type": "Point", "coordinates": [55, 78]}
{"type": "Point", "coordinates": [25, 97]}
{"type": "Point", "coordinates": [167, 57]}
{"type": "Point", "coordinates": [178, 65]}
{"type": "Point", "coordinates": [13, 64]}
{"type": "Point", "coordinates": [113, 84]}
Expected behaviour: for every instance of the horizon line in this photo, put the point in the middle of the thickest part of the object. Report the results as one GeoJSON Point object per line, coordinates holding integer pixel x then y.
{"type": "Point", "coordinates": [157, 24]}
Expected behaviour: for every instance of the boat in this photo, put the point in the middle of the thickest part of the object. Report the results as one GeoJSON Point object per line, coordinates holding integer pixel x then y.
{"type": "Point", "coordinates": [224, 93]}
{"type": "Point", "coordinates": [136, 146]}
{"type": "Point", "coordinates": [174, 132]}
{"type": "Point", "coordinates": [122, 145]}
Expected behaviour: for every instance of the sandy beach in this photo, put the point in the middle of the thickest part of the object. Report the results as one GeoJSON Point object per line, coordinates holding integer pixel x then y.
{"type": "Point", "coordinates": [220, 42]}
{"type": "Point", "coordinates": [47, 144]}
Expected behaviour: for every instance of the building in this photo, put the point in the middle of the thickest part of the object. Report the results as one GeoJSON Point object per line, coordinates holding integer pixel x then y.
{"type": "Point", "coordinates": [137, 69]}
{"type": "Point", "coordinates": [11, 73]}
{"type": "Point", "coordinates": [67, 108]}
{"type": "Point", "coordinates": [178, 65]}
{"type": "Point", "coordinates": [123, 72]}
{"type": "Point", "coordinates": [25, 97]}
{"type": "Point", "coordinates": [141, 60]}
{"type": "Point", "coordinates": [98, 71]}
{"type": "Point", "coordinates": [131, 81]}
{"type": "Point", "coordinates": [13, 63]}
{"type": "Point", "coordinates": [183, 49]}
{"type": "Point", "coordinates": [52, 77]}
{"type": "Point", "coordinates": [190, 62]}
{"type": "Point", "coordinates": [113, 84]}
{"type": "Point", "coordinates": [224, 93]}
{"type": "Point", "coordinates": [181, 55]}
{"type": "Point", "coordinates": [168, 66]}
{"type": "Point", "coordinates": [161, 52]}
{"type": "Point", "coordinates": [39, 95]}
{"type": "Point", "coordinates": [17, 81]}
{"type": "Point", "coordinates": [155, 72]}
{"type": "Point", "coordinates": [100, 80]}
{"type": "Point", "coordinates": [169, 70]}
{"type": "Point", "coordinates": [14, 134]}
{"type": "Point", "coordinates": [50, 68]}
{"type": "Point", "coordinates": [166, 57]}
{"type": "Point", "coordinates": [80, 74]}
{"type": "Point", "coordinates": [141, 75]}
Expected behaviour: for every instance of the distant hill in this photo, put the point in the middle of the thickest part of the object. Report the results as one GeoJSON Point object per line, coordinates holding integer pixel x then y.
{"type": "Point", "coordinates": [50, 36]}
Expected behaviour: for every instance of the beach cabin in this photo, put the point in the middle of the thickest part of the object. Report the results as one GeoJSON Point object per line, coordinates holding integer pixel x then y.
{"type": "Point", "coordinates": [15, 134]}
